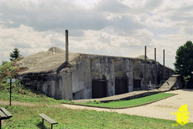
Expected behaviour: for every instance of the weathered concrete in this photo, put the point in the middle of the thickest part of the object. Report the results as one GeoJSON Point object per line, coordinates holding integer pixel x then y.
{"type": "Point", "coordinates": [173, 81]}
{"type": "Point", "coordinates": [126, 96]}
{"type": "Point", "coordinates": [74, 81]}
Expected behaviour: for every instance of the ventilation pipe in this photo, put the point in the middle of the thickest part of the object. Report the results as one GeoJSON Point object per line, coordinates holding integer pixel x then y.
{"type": "Point", "coordinates": [66, 34]}
{"type": "Point", "coordinates": [155, 66]}
{"type": "Point", "coordinates": [164, 64]}
{"type": "Point", "coordinates": [66, 61]}
{"type": "Point", "coordinates": [145, 70]}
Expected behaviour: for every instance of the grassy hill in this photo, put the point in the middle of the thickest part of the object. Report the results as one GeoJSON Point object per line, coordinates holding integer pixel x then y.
{"type": "Point", "coordinates": [20, 92]}
{"type": "Point", "coordinates": [11, 70]}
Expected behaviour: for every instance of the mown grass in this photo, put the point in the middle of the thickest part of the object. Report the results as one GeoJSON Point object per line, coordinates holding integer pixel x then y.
{"type": "Point", "coordinates": [128, 103]}
{"type": "Point", "coordinates": [27, 117]}
{"type": "Point", "coordinates": [43, 99]}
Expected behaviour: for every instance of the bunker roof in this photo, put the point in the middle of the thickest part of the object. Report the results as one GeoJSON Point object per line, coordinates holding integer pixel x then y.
{"type": "Point", "coordinates": [47, 61]}
{"type": "Point", "coordinates": [50, 60]}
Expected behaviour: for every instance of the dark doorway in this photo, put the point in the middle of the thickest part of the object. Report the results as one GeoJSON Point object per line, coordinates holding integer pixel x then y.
{"type": "Point", "coordinates": [99, 88]}
{"type": "Point", "coordinates": [121, 85]}
{"type": "Point", "coordinates": [136, 84]}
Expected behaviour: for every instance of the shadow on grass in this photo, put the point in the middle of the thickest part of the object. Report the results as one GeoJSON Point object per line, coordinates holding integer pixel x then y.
{"type": "Point", "coordinates": [40, 125]}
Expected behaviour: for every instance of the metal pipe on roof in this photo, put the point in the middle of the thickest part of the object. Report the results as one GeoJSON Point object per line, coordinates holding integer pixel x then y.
{"type": "Point", "coordinates": [155, 66]}
{"type": "Point", "coordinates": [66, 62]}
{"type": "Point", "coordinates": [163, 64]}
{"type": "Point", "coordinates": [145, 71]}
{"type": "Point", "coordinates": [66, 34]}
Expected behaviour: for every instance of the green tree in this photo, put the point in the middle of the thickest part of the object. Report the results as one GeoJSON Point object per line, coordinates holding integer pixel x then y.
{"type": "Point", "coordinates": [184, 60]}
{"type": "Point", "coordinates": [14, 54]}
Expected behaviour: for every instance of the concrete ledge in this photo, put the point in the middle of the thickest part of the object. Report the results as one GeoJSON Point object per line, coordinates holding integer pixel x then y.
{"type": "Point", "coordinates": [126, 96]}
{"type": "Point", "coordinates": [120, 107]}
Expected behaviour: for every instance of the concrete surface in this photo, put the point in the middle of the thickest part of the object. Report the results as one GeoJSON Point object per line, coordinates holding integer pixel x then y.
{"type": "Point", "coordinates": [45, 61]}
{"type": "Point", "coordinates": [75, 80]}
{"type": "Point", "coordinates": [174, 80]}
{"type": "Point", "coordinates": [161, 109]}
{"type": "Point", "coordinates": [130, 95]}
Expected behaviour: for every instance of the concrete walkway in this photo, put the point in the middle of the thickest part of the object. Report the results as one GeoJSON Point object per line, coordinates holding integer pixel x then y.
{"type": "Point", "coordinates": [161, 109]}
{"type": "Point", "coordinates": [127, 96]}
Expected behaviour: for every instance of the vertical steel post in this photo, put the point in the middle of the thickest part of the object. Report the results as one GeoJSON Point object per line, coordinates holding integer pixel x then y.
{"type": "Point", "coordinates": [66, 33]}
{"type": "Point", "coordinates": [0, 123]}
{"type": "Point", "coordinates": [145, 71]}
{"type": "Point", "coordinates": [155, 67]}
{"type": "Point", "coordinates": [10, 91]}
{"type": "Point", "coordinates": [164, 64]}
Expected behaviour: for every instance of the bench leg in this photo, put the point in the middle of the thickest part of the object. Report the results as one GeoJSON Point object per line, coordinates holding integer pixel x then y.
{"type": "Point", "coordinates": [0, 123]}
{"type": "Point", "coordinates": [42, 121]}
{"type": "Point", "coordinates": [51, 126]}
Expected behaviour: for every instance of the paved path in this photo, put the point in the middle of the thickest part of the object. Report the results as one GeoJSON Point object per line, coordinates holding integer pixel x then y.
{"type": "Point", "coordinates": [161, 109]}
{"type": "Point", "coordinates": [16, 103]}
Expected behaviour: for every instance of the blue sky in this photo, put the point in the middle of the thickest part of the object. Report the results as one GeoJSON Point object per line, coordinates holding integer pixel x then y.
{"type": "Point", "coordinates": [106, 27]}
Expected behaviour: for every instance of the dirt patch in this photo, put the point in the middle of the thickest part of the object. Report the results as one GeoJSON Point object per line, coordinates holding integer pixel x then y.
{"type": "Point", "coordinates": [167, 106]}
{"type": "Point", "coordinates": [3, 122]}
{"type": "Point", "coordinates": [15, 103]}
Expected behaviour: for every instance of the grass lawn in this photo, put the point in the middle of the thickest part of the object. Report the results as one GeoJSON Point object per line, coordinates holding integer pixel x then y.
{"type": "Point", "coordinates": [130, 103]}
{"type": "Point", "coordinates": [43, 99]}
{"type": "Point", "coordinates": [33, 98]}
{"type": "Point", "coordinates": [27, 117]}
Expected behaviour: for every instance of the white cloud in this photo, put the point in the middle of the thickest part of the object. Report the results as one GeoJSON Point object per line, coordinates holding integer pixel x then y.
{"type": "Point", "coordinates": [111, 27]}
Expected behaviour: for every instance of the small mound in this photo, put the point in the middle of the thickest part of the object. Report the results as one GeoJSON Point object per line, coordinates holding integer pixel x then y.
{"type": "Point", "coordinates": [56, 50]}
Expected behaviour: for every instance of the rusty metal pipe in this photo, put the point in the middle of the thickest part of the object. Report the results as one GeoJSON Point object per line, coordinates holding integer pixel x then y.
{"type": "Point", "coordinates": [164, 64]}
{"type": "Point", "coordinates": [66, 34]}
{"type": "Point", "coordinates": [145, 70]}
{"type": "Point", "coordinates": [155, 66]}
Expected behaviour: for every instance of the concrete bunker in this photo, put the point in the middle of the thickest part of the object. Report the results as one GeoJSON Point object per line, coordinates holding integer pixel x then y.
{"type": "Point", "coordinates": [86, 76]}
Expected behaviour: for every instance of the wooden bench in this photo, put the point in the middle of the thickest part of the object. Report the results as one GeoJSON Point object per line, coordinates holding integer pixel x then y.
{"type": "Point", "coordinates": [4, 114]}
{"type": "Point", "coordinates": [48, 119]}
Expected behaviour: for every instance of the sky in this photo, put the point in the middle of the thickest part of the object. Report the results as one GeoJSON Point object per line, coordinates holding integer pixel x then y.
{"type": "Point", "coordinates": [105, 27]}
